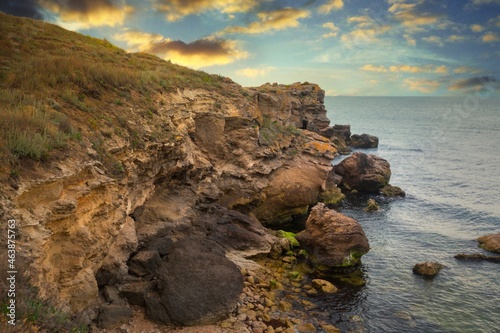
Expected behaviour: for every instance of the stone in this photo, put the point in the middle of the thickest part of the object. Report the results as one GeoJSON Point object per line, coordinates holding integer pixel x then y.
{"type": "Point", "coordinates": [490, 243]}
{"type": "Point", "coordinates": [333, 240]}
{"type": "Point", "coordinates": [429, 269]}
{"type": "Point", "coordinates": [111, 316]}
{"type": "Point", "coordinates": [324, 286]}
{"type": "Point", "coordinates": [363, 141]}
{"type": "Point", "coordinates": [330, 328]}
{"type": "Point", "coordinates": [371, 206]}
{"type": "Point", "coordinates": [144, 263]}
{"type": "Point", "coordinates": [197, 284]}
{"type": "Point", "coordinates": [391, 191]}
{"type": "Point", "coordinates": [306, 328]}
{"type": "Point", "coordinates": [477, 257]}
{"type": "Point", "coordinates": [364, 173]}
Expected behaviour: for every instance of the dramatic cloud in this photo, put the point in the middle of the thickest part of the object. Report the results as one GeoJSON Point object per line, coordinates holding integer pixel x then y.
{"type": "Point", "coordinates": [373, 68]}
{"type": "Point", "coordinates": [475, 84]}
{"type": "Point", "coordinates": [331, 5]}
{"type": "Point", "coordinates": [490, 38]}
{"type": "Point", "coordinates": [273, 20]}
{"type": "Point", "coordinates": [255, 72]}
{"type": "Point", "coordinates": [177, 9]}
{"type": "Point", "coordinates": [421, 85]}
{"type": "Point", "coordinates": [334, 30]}
{"type": "Point", "coordinates": [85, 14]}
{"type": "Point", "coordinates": [199, 53]}
{"type": "Point", "coordinates": [27, 8]}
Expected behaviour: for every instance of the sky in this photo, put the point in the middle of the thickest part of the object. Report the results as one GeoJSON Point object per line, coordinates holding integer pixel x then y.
{"type": "Point", "coordinates": [348, 47]}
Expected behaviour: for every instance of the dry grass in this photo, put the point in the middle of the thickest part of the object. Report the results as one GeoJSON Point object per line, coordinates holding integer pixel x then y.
{"type": "Point", "coordinates": [48, 73]}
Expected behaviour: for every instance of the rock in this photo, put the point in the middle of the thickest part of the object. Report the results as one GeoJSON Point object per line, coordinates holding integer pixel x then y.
{"type": "Point", "coordinates": [392, 191]}
{"type": "Point", "coordinates": [333, 240]}
{"type": "Point", "coordinates": [197, 285]}
{"type": "Point", "coordinates": [371, 206]}
{"type": "Point", "coordinates": [306, 328]}
{"type": "Point", "coordinates": [363, 141]}
{"type": "Point", "coordinates": [135, 292]}
{"type": "Point", "coordinates": [144, 263]}
{"type": "Point", "coordinates": [490, 243]}
{"type": "Point", "coordinates": [324, 286]}
{"type": "Point", "coordinates": [342, 131]}
{"type": "Point", "coordinates": [111, 316]}
{"type": "Point", "coordinates": [330, 328]}
{"type": "Point", "coordinates": [365, 173]}
{"type": "Point", "coordinates": [430, 269]}
{"type": "Point", "coordinates": [477, 257]}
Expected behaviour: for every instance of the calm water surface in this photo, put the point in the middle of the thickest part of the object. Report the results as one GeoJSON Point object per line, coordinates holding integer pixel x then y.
{"type": "Point", "coordinates": [445, 153]}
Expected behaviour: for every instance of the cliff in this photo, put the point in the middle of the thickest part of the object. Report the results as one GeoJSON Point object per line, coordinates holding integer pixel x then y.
{"type": "Point", "coordinates": [104, 153]}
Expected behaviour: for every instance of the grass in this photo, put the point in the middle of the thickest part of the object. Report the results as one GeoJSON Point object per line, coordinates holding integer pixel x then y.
{"type": "Point", "coordinates": [272, 131]}
{"type": "Point", "coordinates": [47, 72]}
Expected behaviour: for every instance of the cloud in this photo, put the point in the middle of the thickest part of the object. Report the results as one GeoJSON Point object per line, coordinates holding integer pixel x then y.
{"type": "Point", "coordinates": [490, 38]}
{"type": "Point", "coordinates": [334, 30]}
{"type": "Point", "coordinates": [412, 15]}
{"type": "Point", "coordinates": [410, 40]}
{"type": "Point", "coordinates": [271, 20]}
{"type": "Point", "coordinates": [419, 69]}
{"type": "Point", "coordinates": [464, 70]}
{"type": "Point", "coordinates": [373, 68]}
{"type": "Point", "coordinates": [476, 27]}
{"type": "Point", "coordinates": [421, 85]}
{"type": "Point", "coordinates": [475, 84]}
{"type": "Point", "coordinates": [26, 8]}
{"type": "Point", "coordinates": [85, 14]}
{"type": "Point", "coordinates": [255, 72]}
{"type": "Point", "coordinates": [456, 38]}
{"type": "Point", "coordinates": [366, 30]}
{"type": "Point", "coordinates": [177, 9]}
{"type": "Point", "coordinates": [484, 2]}
{"type": "Point", "coordinates": [331, 5]}
{"type": "Point", "coordinates": [199, 53]}
{"type": "Point", "coordinates": [433, 39]}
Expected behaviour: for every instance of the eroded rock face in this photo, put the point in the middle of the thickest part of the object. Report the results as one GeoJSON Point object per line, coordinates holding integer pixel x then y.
{"type": "Point", "coordinates": [197, 285]}
{"type": "Point", "coordinates": [365, 173]}
{"type": "Point", "coordinates": [333, 240]}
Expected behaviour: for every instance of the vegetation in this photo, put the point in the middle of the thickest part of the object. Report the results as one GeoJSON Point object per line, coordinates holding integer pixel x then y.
{"type": "Point", "coordinates": [32, 313]}
{"type": "Point", "coordinates": [272, 131]}
{"type": "Point", "coordinates": [57, 87]}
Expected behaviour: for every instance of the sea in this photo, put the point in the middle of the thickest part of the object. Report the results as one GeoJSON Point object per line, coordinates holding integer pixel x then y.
{"type": "Point", "coordinates": [445, 153]}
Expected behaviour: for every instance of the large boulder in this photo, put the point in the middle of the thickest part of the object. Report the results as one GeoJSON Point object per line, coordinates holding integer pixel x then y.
{"type": "Point", "coordinates": [363, 141]}
{"type": "Point", "coordinates": [490, 242]}
{"type": "Point", "coordinates": [333, 240]}
{"type": "Point", "coordinates": [364, 173]}
{"type": "Point", "coordinates": [197, 285]}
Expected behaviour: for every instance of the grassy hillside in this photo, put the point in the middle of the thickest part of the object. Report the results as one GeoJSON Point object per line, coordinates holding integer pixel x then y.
{"type": "Point", "coordinates": [57, 87]}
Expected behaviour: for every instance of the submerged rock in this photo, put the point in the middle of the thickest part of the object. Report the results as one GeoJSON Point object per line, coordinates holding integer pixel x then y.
{"type": "Point", "coordinates": [365, 173]}
{"type": "Point", "coordinates": [324, 286]}
{"type": "Point", "coordinates": [477, 257]}
{"type": "Point", "coordinates": [392, 191]}
{"type": "Point", "coordinates": [371, 206]}
{"type": "Point", "coordinates": [490, 243]}
{"type": "Point", "coordinates": [333, 240]}
{"type": "Point", "coordinates": [430, 269]}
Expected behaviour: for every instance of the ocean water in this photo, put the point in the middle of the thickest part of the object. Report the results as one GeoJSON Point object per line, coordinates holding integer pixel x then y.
{"type": "Point", "coordinates": [445, 153]}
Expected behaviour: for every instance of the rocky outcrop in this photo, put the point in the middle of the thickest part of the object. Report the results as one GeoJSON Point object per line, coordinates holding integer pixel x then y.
{"type": "Point", "coordinates": [477, 257]}
{"type": "Point", "coordinates": [364, 173]}
{"type": "Point", "coordinates": [429, 269]}
{"type": "Point", "coordinates": [333, 240]}
{"type": "Point", "coordinates": [490, 243]}
{"type": "Point", "coordinates": [363, 141]}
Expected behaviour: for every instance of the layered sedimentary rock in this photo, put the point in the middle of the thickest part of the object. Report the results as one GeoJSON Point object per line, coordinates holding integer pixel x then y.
{"type": "Point", "coordinates": [226, 162]}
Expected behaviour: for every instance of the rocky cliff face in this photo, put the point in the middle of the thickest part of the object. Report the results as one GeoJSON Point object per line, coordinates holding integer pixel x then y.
{"type": "Point", "coordinates": [225, 161]}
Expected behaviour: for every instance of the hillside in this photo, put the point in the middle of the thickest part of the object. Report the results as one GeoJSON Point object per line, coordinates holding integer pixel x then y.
{"type": "Point", "coordinates": [109, 156]}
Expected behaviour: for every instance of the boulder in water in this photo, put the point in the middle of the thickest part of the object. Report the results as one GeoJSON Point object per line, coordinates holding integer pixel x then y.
{"type": "Point", "coordinates": [490, 243]}
{"type": "Point", "coordinates": [430, 269]}
{"type": "Point", "coordinates": [363, 141]}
